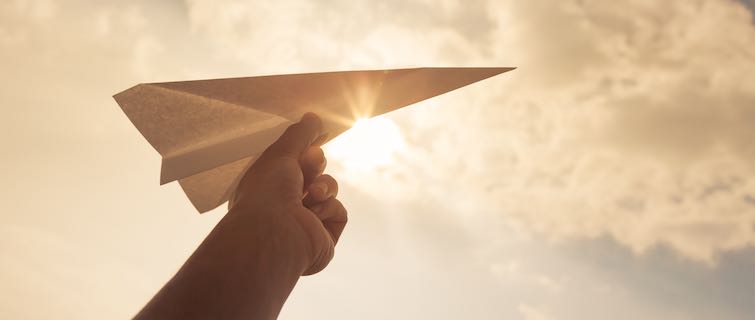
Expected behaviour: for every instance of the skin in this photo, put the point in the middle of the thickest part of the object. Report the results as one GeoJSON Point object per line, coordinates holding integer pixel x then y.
{"type": "Point", "coordinates": [283, 222]}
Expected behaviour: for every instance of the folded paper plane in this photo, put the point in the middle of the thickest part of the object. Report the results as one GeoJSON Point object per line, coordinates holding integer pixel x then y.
{"type": "Point", "coordinates": [209, 131]}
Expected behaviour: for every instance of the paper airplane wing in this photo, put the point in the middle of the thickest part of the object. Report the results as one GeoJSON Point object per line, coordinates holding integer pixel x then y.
{"type": "Point", "coordinates": [209, 131]}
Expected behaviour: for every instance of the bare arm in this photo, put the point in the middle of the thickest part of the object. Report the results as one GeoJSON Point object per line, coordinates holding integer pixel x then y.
{"type": "Point", "coordinates": [283, 222]}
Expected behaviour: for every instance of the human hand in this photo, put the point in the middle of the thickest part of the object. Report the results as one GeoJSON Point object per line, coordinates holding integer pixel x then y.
{"type": "Point", "coordinates": [283, 222]}
{"type": "Point", "coordinates": [287, 188]}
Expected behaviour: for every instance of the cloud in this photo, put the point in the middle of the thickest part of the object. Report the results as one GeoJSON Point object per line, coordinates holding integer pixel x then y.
{"type": "Point", "coordinates": [531, 313]}
{"type": "Point", "coordinates": [342, 34]}
{"type": "Point", "coordinates": [628, 120]}
{"type": "Point", "coordinates": [643, 133]}
{"type": "Point", "coordinates": [631, 121]}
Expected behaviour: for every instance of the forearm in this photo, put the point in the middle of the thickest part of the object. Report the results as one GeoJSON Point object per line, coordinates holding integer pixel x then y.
{"type": "Point", "coordinates": [245, 269]}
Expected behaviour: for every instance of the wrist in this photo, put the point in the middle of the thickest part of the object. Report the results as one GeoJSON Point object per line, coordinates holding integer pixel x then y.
{"type": "Point", "coordinates": [270, 235]}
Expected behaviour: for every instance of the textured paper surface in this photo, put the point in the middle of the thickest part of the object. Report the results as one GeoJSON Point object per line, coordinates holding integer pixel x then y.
{"type": "Point", "coordinates": [209, 131]}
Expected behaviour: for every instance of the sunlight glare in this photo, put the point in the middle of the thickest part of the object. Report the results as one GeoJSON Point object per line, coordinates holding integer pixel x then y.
{"type": "Point", "coordinates": [369, 144]}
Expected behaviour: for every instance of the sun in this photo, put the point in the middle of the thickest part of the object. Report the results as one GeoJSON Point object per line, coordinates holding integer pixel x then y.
{"type": "Point", "coordinates": [369, 144]}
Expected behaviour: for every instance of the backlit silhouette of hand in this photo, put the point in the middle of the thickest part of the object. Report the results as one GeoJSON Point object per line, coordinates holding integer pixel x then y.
{"type": "Point", "coordinates": [297, 202]}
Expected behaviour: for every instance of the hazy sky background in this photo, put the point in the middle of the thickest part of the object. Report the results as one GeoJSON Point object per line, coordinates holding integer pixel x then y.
{"type": "Point", "coordinates": [611, 176]}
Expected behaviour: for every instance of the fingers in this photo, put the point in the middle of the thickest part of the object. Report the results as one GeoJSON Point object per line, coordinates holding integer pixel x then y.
{"type": "Point", "coordinates": [333, 215]}
{"type": "Point", "coordinates": [296, 139]}
{"type": "Point", "coordinates": [312, 163]}
{"type": "Point", "coordinates": [322, 188]}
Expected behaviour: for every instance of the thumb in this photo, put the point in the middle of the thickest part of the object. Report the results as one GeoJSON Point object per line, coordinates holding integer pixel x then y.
{"type": "Point", "coordinates": [296, 139]}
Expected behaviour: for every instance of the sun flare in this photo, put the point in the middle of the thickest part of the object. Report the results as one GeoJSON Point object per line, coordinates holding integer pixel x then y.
{"type": "Point", "coordinates": [369, 144]}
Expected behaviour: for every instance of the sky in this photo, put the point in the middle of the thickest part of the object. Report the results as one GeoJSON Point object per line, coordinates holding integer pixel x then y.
{"type": "Point", "coordinates": [611, 175]}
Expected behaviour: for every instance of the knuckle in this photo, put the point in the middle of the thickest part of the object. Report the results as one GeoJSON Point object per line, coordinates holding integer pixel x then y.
{"type": "Point", "coordinates": [343, 214]}
{"type": "Point", "coordinates": [317, 152]}
{"type": "Point", "coordinates": [335, 182]}
{"type": "Point", "coordinates": [330, 180]}
{"type": "Point", "coordinates": [326, 177]}
{"type": "Point", "coordinates": [334, 186]}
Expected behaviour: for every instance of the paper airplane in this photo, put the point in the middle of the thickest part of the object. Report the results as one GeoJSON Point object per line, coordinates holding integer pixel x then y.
{"type": "Point", "coordinates": [209, 131]}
